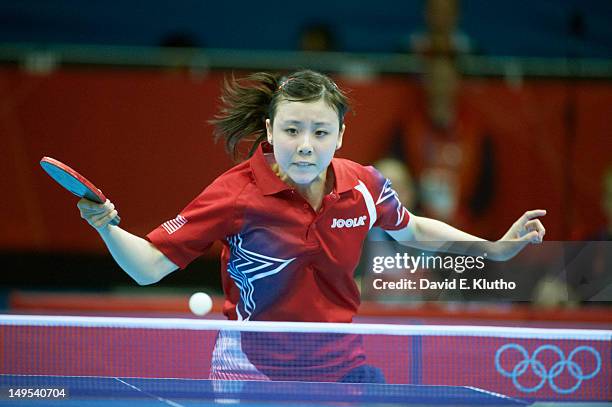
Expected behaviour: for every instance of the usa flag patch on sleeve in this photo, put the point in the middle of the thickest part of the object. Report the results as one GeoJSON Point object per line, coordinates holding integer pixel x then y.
{"type": "Point", "coordinates": [175, 224]}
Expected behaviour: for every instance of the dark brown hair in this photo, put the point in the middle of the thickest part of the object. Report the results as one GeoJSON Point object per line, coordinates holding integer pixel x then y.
{"type": "Point", "coordinates": [246, 103]}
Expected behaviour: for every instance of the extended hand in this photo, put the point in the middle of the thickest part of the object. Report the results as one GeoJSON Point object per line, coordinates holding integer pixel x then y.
{"type": "Point", "coordinates": [527, 229]}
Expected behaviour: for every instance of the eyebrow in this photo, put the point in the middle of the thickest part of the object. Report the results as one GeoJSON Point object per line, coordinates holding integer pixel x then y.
{"type": "Point", "coordinates": [300, 122]}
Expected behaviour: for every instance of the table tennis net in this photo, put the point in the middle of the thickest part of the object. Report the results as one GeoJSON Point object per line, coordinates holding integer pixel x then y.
{"type": "Point", "coordinates": [547, 364]}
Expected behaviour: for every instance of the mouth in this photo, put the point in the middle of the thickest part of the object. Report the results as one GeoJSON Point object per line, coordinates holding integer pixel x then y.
{"type": "Point", "coordinates": [303, 164]}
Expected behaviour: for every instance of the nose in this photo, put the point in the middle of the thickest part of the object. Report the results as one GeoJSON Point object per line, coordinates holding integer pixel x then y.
{"type": "Point", "coordinates": [305, 147]}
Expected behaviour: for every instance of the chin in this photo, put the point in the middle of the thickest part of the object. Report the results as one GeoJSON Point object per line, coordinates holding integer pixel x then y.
{"type": "Point", "coordinates": [302, 180]}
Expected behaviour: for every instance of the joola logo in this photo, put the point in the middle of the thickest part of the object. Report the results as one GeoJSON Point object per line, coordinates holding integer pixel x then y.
{"type": "Point", "coordinates": [348, 223]}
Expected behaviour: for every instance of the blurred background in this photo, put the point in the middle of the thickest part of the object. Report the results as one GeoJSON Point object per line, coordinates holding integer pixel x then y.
{"type": "Point", "coordinates": [477, 110]}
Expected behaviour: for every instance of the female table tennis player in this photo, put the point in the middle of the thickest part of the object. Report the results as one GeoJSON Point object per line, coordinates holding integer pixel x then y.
{"type": "Point", "coordinates": [291, 217]}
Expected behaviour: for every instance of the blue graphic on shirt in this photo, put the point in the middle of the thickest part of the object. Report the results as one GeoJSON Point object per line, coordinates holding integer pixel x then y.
{"type": "Point", "coordinates": [245, 267]}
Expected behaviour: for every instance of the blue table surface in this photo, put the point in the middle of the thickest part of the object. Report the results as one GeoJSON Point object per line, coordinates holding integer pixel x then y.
{"type": "Point", "coordinates": [116, 391]}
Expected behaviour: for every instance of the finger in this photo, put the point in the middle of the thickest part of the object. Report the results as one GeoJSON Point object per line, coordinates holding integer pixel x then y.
{"type": "Point", "coordinates": [88, 214]}
{"type": "Point", "coordinates": [91, 214]}
{"type": "Point", "coordinates": [86, 204]}
{"type": "Point", "coordinates": [532, 214]}
{"type": "Point", "coordinates": [536, 225]}
{"type": "Point", "coordinates": [103, 211]}
{"type": "Point", "coordinates": [541, 229]}
{"type": "Point", "coordinates": [101, 221]}
{"type": "Point", "coordinates": [96, 220]}
{"type": "Point", "coordinates": [531, 237]}
{"type": "Point", "coordinates": [89, 208]}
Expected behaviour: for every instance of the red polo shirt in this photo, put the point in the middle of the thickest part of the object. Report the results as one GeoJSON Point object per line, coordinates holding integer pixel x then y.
{"type": "Point", "coordinates": [283, 261]}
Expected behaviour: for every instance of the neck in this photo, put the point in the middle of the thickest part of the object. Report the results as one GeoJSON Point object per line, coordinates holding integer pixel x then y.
{"type": "Point", "coordinates": [313, 192]}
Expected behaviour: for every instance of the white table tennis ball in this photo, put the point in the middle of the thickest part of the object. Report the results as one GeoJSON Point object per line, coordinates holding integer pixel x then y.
{"type": "Point", "coordinates": [200, 303]}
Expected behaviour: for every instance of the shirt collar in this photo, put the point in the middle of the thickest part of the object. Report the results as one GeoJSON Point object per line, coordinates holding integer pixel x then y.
{"type": "Point", "coordinates": [269, 183]}
{"type": "Point", "coordinates": [345, 181]}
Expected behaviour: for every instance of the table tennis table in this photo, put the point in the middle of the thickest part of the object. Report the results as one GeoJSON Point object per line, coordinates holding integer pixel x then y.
{"type": "Point", "coordinates": [163, 361]}
{"type": "Point", "coordinates": [97, 391]}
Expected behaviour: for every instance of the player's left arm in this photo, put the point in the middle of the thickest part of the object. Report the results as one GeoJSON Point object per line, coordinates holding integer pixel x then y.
{"type": "Point", "coordinates": [433, 235]}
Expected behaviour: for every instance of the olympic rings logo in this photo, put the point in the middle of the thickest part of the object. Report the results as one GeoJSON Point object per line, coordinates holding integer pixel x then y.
{"type": "Point", "coordinates": [540, 370]}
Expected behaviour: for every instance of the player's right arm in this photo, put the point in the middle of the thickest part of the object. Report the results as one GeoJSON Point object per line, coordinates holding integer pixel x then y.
{"type": "Point", "coordinates": [136, 256]}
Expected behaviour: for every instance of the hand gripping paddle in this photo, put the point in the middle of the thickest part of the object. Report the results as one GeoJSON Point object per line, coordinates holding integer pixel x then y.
{"type": "Point", "coordinates": [74, 182]}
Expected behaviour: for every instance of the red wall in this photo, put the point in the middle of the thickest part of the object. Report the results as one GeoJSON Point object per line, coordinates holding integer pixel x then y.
{"type": "Point", "coordinates": [142, 136]}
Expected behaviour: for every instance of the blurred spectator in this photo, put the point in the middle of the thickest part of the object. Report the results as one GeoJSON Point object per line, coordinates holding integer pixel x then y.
{"type": "Point", "coordinates": [379, 243]}
{"type": "Point", "coordinates": [595, 283]}
{"type": "Point", "coordinates": [442, 35]}
{"type": "Point", "coordinates": [588, 262]}
{"type": "Point", "coordinates": [605, 233]}
{"type": "Point", "coordinates": [401, 181]}
{"type": "Point", "coordinates": [320, 37]}
{"type": "Point", "coordinates": [397, 172]}
{"type": "Point", "coordinates": [451, 156]}
{"type": "Point", "coordinates": [553, 292]}
{"type": "Point", "coordinates": [317, 38]}
{"type": "Point", "coordinates": [185, 44]}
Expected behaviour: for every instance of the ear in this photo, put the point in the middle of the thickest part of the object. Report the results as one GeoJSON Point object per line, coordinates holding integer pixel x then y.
{"type": "Point", "coordinates": [340, 136]}
{"type": "Point", "coordinates": [269, 130]}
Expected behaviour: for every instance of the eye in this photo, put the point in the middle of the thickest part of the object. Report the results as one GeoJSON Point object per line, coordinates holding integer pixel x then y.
{"type": "Point", "coordinates": [321, 133]}
{"type": "Point", "coordinates": [291, 130]}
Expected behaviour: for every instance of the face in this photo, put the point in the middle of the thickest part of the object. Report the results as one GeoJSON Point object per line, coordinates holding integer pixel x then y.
{"type": "Point", "coordinates": [305, 136]}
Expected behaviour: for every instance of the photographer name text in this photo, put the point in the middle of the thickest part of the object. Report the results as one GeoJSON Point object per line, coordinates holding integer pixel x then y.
{"type": "Point", "coordinates": [447, 284]}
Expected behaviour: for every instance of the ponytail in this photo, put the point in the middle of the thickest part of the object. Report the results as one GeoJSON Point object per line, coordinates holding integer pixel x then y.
{"type": "Point", "coordinates": [244, 110]}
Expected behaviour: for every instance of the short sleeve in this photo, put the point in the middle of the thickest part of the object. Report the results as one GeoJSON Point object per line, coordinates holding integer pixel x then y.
{"type": "Point", "coordinates": [390, 212]}
{"type": "Point", "coordinates": [209, 217]}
